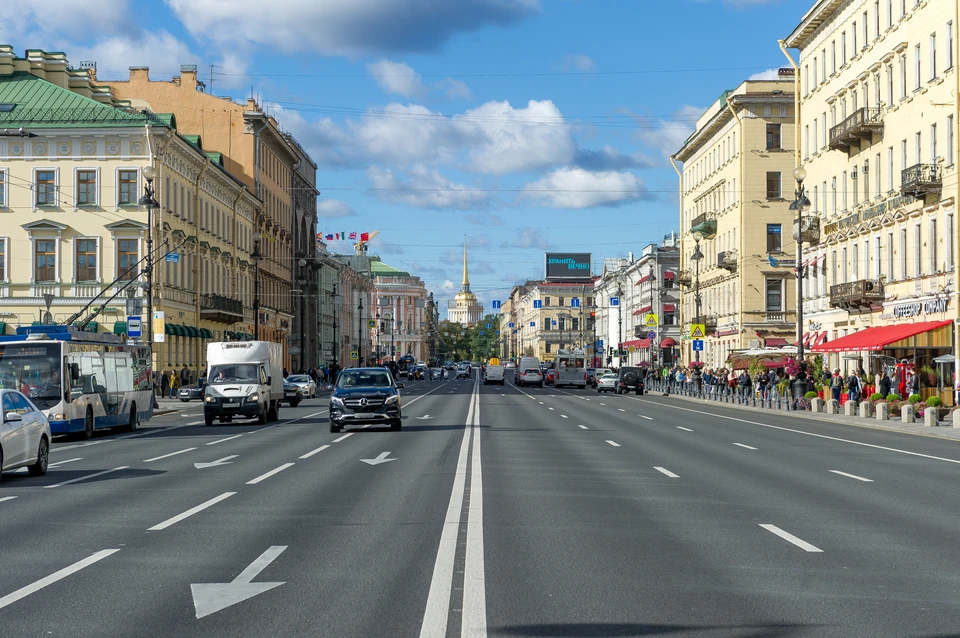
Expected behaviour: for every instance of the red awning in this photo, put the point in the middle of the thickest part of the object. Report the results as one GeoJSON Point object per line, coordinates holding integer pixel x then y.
{"type": "Point", "coordinates": [669, 274]}
{"type": "Point", "coordinates": [669, 342]}
{"type": "Point", "coordinates": [644, 309]}
{"type": "Point", "coordinates": [643, 279]}
{"type": "Point", "coordinates": [637, 312]}
{"type": "Point", "coordinates": [774, 342]}
{"type": "Point", "coordinates": [821, 338]}
{"type": "Point", "coordinates": [637, 343]}
{"type": "Point", "coordinates": [873, 339]}
{"type": "Point", "coordinates": [669, 307]}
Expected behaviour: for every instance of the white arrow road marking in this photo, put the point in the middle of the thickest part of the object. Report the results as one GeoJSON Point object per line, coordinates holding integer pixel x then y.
{"type": "Point", "coordinates": [32, 588]}
{"type": "Point", "coordinates": [424, 417]}
{"type": "Point", "coordinates": [209, 598]}
{"type": "Point", "coordinates": [787, 536]}
{"type": "Point", "coordinates": [224, 461]}
{"type": "Point", "coordinates": [380, 459]}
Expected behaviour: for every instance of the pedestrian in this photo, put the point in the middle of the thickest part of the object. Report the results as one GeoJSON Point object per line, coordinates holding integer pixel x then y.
{"type": "Point", "coordinates": [915, 384]}
{"type": "Point", "coordinates": [885, 384]}
{"type": "Point", "coordinates": [184, 375]}
{"type": "Point", "coordinates": [853, 388]}
{"type": "Point", "coordinates": [744, 381]}
{"type": "Point", "coordinates": [174, 384]}
{"type": "Point", "coordinates": [836, 385]}
{"type": "Point", "coordinates": [285, 373]}
{"type": "Point", "coordinates": [164, 383]}
{"type": "Point", "coordinates": [762, 383]}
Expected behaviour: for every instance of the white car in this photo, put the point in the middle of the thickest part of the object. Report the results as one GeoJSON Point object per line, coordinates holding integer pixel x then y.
{"type": "Point", "coordinates": [509, 365]}
{"type": "Point", "coordinates": [530, 376]}
{"type": "Point", "coordinates": [607, 383]}
{"type": "Point", "coordinates": [24, 434]}
{"type": "Point", "coordinates": [305, 383]}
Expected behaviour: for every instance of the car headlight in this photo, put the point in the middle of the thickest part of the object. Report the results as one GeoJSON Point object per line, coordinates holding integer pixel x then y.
{"type": "Point", "coordinates": [337, 401]}
{"type": "Point", "coordinates": [56, 416]}
{"type": "Point", "coordinates": [392, 399]}
{"type": "Point", "coordinates": [209, 399]}
{"type": "Point", "coordinates": [253, 397]}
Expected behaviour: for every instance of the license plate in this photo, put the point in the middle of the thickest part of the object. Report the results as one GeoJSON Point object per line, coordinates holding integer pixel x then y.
{"type": "Point", "coordinates": [231, 405]}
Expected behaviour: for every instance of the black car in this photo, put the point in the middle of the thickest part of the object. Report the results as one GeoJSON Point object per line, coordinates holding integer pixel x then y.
{"type": "Point", "coordinates": [630, 380]}
{"type": "Point", "coordinates": [292, 394]}
{"type": "Point", "coordinates": [190, 393]}
{"type": "Point", "coordinates": [363, 396]}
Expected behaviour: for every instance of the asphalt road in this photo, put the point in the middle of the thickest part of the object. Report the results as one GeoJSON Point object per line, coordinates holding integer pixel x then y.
{"type": "Point", "coordinates": [501, 511]}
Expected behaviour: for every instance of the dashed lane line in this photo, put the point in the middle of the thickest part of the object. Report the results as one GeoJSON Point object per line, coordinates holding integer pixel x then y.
{"type": "Point", "coordinates": [790, 538]}
{"type": "Point", "coordinates": [86, 477]}
{"type": "Point", "coordinates": [583, 427]}
{"type": "Point", "coordinates": [347, 435]}
{"type": "Point", "coordinates": [747, 447]}
{"type": "Point", "coordinates": [853, 476]}
{"type": "Point", "coordinates": [265, 476]}
{"type": "Point", "coordinates": [36, 586]}
{"type": "Point", "coordinates": [229, 438]}
{"type": "Point", "coordinates": [614, 443]}
{"type": "Point", "coordinates": [166, 456]}
{"type": "Point", "coordinates": [312, 452]}
{"type": "Point", "coordinates": [665, 472]}
{"type": "Point", "coordinates": [680, 427]}
{"type": "Point", "coordinates": [59, 463]}
{"type": "Point", "coordinates": [6, 498]}
{"type": "Point", "coordinates": [190, 512]}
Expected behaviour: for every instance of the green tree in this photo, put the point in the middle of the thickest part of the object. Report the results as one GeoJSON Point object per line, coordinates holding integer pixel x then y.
{"type": "Point", "coordinates": [484, 341]}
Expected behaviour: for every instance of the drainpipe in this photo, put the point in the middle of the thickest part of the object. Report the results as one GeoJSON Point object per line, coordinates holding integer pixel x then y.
{"type": "Point", "coordinates": [796, 101]}
{"type": "Point", "coordinates": [196, 279]}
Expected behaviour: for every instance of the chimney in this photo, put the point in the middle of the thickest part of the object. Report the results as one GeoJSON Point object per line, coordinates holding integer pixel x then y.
{"type": "Point", "coordinates": [188, 76]}
{"type": "Point", "coordinates": [139, 74]}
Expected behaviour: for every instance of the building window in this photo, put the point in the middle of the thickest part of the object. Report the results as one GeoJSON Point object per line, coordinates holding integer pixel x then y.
{"type": "Point", "coordinates": [127, 257]}
{"type": "Point", "coordinates": [547, 346]}
{"type": "Point", "coordinates": [949, 157]}
{"type": "Point", "coordinates": [903, 76]}
{"type": "Point", "coordinates": [3, 259]}
{"type": "Point", "coordinates": [843, 190]}
{"type": "Point", "coordinates": [46, 188]}
{"type": "Point", "coordinates": [774, 238]}
{"type": "Point", "coordinates": [86, 188]}
{"type": "Point", "coordinates": [833, 57]}
{"type": "Point", "coordinates": [45, 260]}
{"type": "Point", "coordinates": [773, 137]}
{"type": "Point", "coordinates": [933, 56]}
{"type": "Point", "coordinates": [815, 128]}
{"type": "Point", "coordinates": [546, 301]}
{"type": "Point", "coordinates": [3, 189]}
{"type": "Point", "coordinates": [560, 301]}
{"type": "Point", "coordinates": [806, 141]}
{"type": "Point", "coordinates": [917, 143]}
{"type": "Point", "coordinates": [932, 232]}
{"type": "Point", "coordinates": [889, 13]}
{"type": "Point", "coordinates": [774, 295]}
{"type": "Point", "coordinates": [890, 169]}
{"type": "Point", "coordinates": [853, 40]}
{"type": "Point", "coordinates": [916, 67]}
{"type": "Point", "coordinates": [950, 242]}
{"type": "Point", "coordinates": [949, 48]}
{"type": "Point", "coordinates": [890, 255]}
{"type": "Point", "coordinates": [933, 143]}
{"type": "Point", "coordinates": [833, 193]}
{"type": "Point", "coordinates": [86, 255]}
{"type": "Point", "coordinates": [889, 84]}
{"type": "Point", "coordinates": [903, 253]}
{"type": "Point", "coordinates": [773, 185]}
{"type": "Point", "coordinates": [844, 265]}
{"type": "Point", "coordinates": [917, 252]}
{"type": "Point", "coordinates": [855, 262]}
{"type": "Point", "coordinates": [126, 187]}
{"type": "Point", "coordinates": [843, 49]}
{"type": "Point", "coordinates": [866, 30]}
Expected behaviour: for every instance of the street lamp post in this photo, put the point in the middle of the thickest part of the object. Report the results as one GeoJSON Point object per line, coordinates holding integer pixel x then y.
{"type": "Point", "coordinates": [257, 258]}
{"type": "Point", "coordinates": [619, 325]}
{"type": "Point", "coordinates": [335, 345]}
{"type": "Point", "coordinates": [360, 329]}
{"type": "Point", "coordinates": [801, 204]}
{"type": "Point", "coordinates": [697, 299]}
{"type": "Point", "coordinates": [379, 355]}
{"type": "Point", "coordinates": [150, 203]}
{"type": "Point", "coordinates": [303, 299]}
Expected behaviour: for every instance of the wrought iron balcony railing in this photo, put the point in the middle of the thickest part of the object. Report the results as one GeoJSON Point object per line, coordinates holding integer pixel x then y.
{"type": "Point", "coordinates": [861, 124]}
{"type": "Point", "coordinates": [220, 308]}
{"type": "Point", "coordinates": [920, 179]}
{"type": "Point", "coordinates": [854, 294]}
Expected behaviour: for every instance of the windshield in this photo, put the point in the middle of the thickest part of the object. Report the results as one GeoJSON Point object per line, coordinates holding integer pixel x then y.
{"type": "Point", "coordinates": [234, 373]}
{"type": "Point", "coordinates": [33, 370]}
{"type": "Point", "coordinates": [364, 378]}
{"type": "Point", "coordinates": [299, 378]}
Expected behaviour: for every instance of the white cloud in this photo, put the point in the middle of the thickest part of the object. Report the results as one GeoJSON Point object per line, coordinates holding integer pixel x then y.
{"type": "Point", "coordinates": [667, 136]}
{"type": "Point", "coordinates": [426, 188]}
{"type": "Point", "coordinates": [478, 241]}
{"type": "Point", "coordinates": [455, 89]}
{"type": "Point", "coordinates": [484, 219]}
{"type": "Point", "coordinates": [345, 27]}
{"type": "Point", "coordinates": [396, 77]}
{"type": "Point", "coordinates": [69, 19]}
{"type": "Point", "coordinates": [581, 63]}
{"type": "Point", "coordinates": [330, 208]}
{"type": "Point", "coordinates": [527, 238]}
{"type": "Point", "coordinates": [578, 188]}
{"type": "Point", "coordinates": [769, 74]}
{"type": "Point", "coordinates": [447, 286]}
{"type": "Point", "coordinates": [609, 158]}
{"type": "Point", "coordinates": [161, 51]}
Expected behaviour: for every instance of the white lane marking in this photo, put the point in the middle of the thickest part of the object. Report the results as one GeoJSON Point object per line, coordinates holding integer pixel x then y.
{"type": "Point", "coordinates": [564, 416]}
{"type": "Point", "coordinates": [614, 443]}
{"type": "Point", "coordinates": [583, 427]}
{"type": "Point", "coordinates": [680, 427]}
{"type": "Point", "coordinates": [436, 614]}
{"type": "Point", "coordinates": [473, 619]}
{"type": "Point", "coordinates": [71, 447]}
{"type": "Point", "coordinates": [264, 477]}
{"type": "Point", "coordinates": [603, 404]}
{"type": "Point", "coordinates": [88, 476]}
{"type": "Point", "coordinates": [58, 463]}
{"type": "Point", "coordinates": [347, 435]}
{"type": "Point", "coordinates": [312, 452]}
{"type": "Point", "coordinates": [549, 408]}
{"type": "Point", "coordinates": [7, 498]}
{"type": "Point", "coordinates": [665, 472]}
{"type": "Point", "coordinates": [787, 536]}
{"type": "Point", "coordinates": [166, 456]}
{"type": "Point", "coordinates": [229, 438]}
{"type": "Point", "coordinates": [190, 512]}
{"type": "Point", "coordinates": [853, 476]}
{"type": "Point", "coordinates": [745, 446]}
{"type": "Point", "coordinates": [648, 418]}
{"type": "Point", "coordinates": [34, 587]}
{"type": "Point", "coordinates": [137, 435]}
{"type": "Point", "coordinates": [541, 402]}
{"type": "Point", "coordinates": [586, 398]}
{"type": "Point", "coordinates": [195, 423]}
{"type": "Point", "coordinates": [813, 434]}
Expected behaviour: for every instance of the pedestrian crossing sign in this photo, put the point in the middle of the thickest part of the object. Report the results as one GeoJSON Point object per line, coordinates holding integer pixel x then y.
{"type": "Point", "coordinates": [697, 331]}
{"type": "Point", "coordinates": [651, 321]}
{"type": "Point", "coordinates": [353, 355]}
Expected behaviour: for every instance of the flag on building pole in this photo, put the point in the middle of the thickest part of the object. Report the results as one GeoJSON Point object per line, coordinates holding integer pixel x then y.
{"type": "Point", "coordinates": [353, 235]}
{"type": "Point", "coordinates": [364, 236]}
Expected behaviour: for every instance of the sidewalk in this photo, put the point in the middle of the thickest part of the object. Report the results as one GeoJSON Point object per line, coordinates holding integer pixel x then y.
{"type": "Point", "coordinates": [944, 431]}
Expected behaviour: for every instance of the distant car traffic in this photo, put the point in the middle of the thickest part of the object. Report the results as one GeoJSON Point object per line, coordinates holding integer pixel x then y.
{"type": "Point", "coordinates": [607, 383]}
{"type": "Point", "coordinates": [190, 393]}
{"type": "Point", "coordinates": [363, 396]}
{"type": "Point", "coordinates": [463, 372]}
{"type": "Point", "coordinates": [493, 374]}
{"type": "Point", "coordinates": [24, 434]}
{"type": "Point", "coordinates": [509, 365]}
{"type": "Point", "coordinates": [292, 394]}
{"type": "Point", "coordinates": [530, 376]}
{"type": "Point", "coordinates": [590, 375]}
{"type": "Point", "coordinates": [306, 383]}
{"type": "Point", "coordinates": [630, 380]}
{"type": "Point", "coordinates": [550, 377]}
{"type": "Point", "coordinates": [598, 374]}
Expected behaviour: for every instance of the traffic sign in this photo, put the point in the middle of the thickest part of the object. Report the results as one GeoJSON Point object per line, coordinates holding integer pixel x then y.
{"type": "Point", "coordinates": [488, 326]}
{"type": "Point", "coordinates": [173, 258]}
{"type": "Point", "coordinates": [651, 321]}
{"type": "Point", "coordinates": [599, 343]}
{"type": "Point", "coordinates": [651, 335]}
{"type": "Point", "coordinates": [134, 307]}
{"type": "Point", "coordinates": [481, 333]}
{"type": "Point", "coordinates": [510, 325]}
{"type": "Point", "coordinates": [371, 323]}
{"type": "Point", "coordinates": [631, 348]}
{"type": "Point", "coordinates": [498, 333]}
{"type": "Point", "coordinates": [698, 345]}
{"type": "Point", "coordinates": [614, 301]}
{"type": "Point", "coordinates": [698, 331]}
{"type": "Point", "coordinates": [537, 303]}
{"type": "Point", "coordinates": [353, 355]}
{"type": "Point", "coordinates": [495, 304]}
{"type": "Point", "coordinates": [554, 321]}
{"type": "Point", "coordinates": [134, 327]}
{"type": "Point", "coordinates": [575, 302]}
{"type": "Point", "coordinates": [533, 324]}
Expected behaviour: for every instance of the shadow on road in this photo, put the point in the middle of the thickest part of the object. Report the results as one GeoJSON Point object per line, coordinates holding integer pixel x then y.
{"type": "Point", "coordinates": [54, 476]}
{"type": "Point", "coordinates": [604, 630]}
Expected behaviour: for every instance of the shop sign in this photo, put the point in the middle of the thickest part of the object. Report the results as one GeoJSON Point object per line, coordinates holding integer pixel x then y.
{"type": "Point", "coordinates": [916, 308]}
{"type": "Point", "coordinates": [868, 213]}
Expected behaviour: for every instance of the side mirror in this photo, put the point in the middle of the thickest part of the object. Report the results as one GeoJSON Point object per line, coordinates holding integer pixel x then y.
{"type": "Point", "coordinates": [12, 416]}
{"type": "Point", "coordinates": [269, 380]}
{"type": "Point", "coordinates": [74, 371]}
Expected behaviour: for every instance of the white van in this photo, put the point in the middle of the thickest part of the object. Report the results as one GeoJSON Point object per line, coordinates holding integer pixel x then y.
{"type": "Point", "coordinates": [244, 378]}
{"type": "Point", "coordinates": [493, 374]}
{"type": "Point", "coordinates": [527, 363]}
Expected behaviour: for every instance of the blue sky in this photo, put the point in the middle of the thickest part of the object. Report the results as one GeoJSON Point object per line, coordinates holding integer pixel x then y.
{"type": "Point", "coordinates": [526, 125]}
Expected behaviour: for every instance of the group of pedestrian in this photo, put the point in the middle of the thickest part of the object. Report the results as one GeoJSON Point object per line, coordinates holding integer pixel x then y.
{"type": "Point", "coordinates": [171, 380]}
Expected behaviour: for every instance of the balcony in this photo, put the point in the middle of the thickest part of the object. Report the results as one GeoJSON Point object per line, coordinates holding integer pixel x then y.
{"type": "Point", "coordinates": [857, 294]}
{"type": "Point", "coordinates": [705, 224]}
{"type": "Point", "coordinates": [808, 229]}
{"type": "Point", "coordinates": [727, 260]}
{"type": "Point", "coordinates": [221, 309]}
{"type": "Point", "coordinates": [684, 278]}
{"type": "Point", "coordinates": [921, 179]}
{"type": "Point", "coordinates": [862, 124]}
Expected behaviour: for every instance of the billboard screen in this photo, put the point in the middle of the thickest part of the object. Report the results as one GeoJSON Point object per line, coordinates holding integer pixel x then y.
{"type": "Point", "coordinates": [568, 266]}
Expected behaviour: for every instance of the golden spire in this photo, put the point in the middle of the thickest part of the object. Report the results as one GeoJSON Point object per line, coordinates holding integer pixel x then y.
{"type": "Point", "coordinates": [466, 280]}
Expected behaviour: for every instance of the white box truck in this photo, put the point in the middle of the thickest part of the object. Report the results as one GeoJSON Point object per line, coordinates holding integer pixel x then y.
{"type": "Point", "coordinates": [244, 379]}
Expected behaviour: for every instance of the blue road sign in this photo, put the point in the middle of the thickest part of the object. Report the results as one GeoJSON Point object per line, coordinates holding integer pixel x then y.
{"type": "Point", "coordinates": [537, 303]}
{"type": "Point", "coordinates": [510, 325]}
{"type": "Point", "coordinates": [698, 345]}
{"type": "Point", "coordinates": [554, 322]}
{"type": "Point", "coordinates": [599, 343]}
{"type": "Point", "coordinates": [488, 326]}
{"type": "Point", "coordinates": [614, 301]}
{"type": "Point", "coordinates": [533, 324]}
{"type": "Point", "coordinates": [173, 258]}
{"type": "Point", "coordinates": [134, 327]}
{"type": "Point", "coordinates": [481, 333]}
{"type": "Point", "coordinates": [498, 333]}
{"type": "Point", "coordinates": [495, 304]}
{"type": "Point", "coordinates": [651, 335]}
{"type": "Point", "coordinates": [575, 302]}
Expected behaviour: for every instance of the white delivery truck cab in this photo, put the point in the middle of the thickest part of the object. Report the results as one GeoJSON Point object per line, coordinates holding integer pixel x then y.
{"type": "Point", "coordinates": [244, 379]}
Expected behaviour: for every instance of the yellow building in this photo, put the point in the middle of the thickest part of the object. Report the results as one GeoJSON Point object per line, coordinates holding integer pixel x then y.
{"type": "Point", "coordinates": [878, 112]}
{"type": "Point", "coordinates": [465, 308]}
{"type": "Point", "coordinates": [735, 195]}
{"type": "Point", "coordinates": [71, 173]}
{"type": "Point", "coordinates": [548, 315]}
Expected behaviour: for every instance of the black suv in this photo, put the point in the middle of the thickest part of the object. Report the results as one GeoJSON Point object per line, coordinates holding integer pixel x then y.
{"type": "Point", "coordinates": [630, 379]}
{"type": "Point", "coordinates": [363, 396]}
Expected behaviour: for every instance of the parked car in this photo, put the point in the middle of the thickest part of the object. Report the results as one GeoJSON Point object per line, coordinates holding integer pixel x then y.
{"type": "Point", "coordinates": [549, 377]}
{"type": "Point", "coordinates": [530, 376]}
{"type": "Point", "coordinates": [630, 379]}
{"type": "Point", "coordinates": [191, 393]}
{"type": "Point", "coordinates": [24, 434]}
{"type": "Point", "coordinates": [306, 383]}
{"type": "Point", "coordinates": [292, 394]}
{"type": "Point", "coordinates": [607, 383]}
{"type": "Point", "coordinates": [364, 396]}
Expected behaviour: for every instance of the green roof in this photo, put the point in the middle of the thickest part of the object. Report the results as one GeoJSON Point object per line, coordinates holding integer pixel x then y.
{"type": "Point", "coordinates": [195, 140]}
{"type": "Point", "coordinates": [42, 104]}
{"type": "Point", "coordinates": [380, 269]}
{"type": "Point", "coordinates": [216, 158]}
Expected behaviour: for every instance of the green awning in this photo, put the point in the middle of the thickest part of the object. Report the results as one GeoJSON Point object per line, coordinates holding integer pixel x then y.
{"type": "Point", "coordinates": [192, 331]}
{"type": "Point", "coordinates": [205, 333]}
{"type": "Point", "coordinates": [179, 331]}
{"type": "Point", "coordinates": [119, 327]}
{"type": "Point", "coordinates": [168, 329]}
{"type": "Point", "coordinates": [3, 327]}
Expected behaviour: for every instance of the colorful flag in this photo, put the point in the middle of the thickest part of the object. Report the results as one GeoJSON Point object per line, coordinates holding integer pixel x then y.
{"type": "Point", "coordinates": [353, 235]}
{"type": "Point", "coordinates": [364, 236]}
{"type": "Point", "coordinates": [329, 236]}
{"type": "Point", "coordinates": [338, 236]}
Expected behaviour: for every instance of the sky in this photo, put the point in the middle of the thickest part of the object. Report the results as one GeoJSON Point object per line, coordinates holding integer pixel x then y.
{"type": "Point", "coordinates": [527, 126]}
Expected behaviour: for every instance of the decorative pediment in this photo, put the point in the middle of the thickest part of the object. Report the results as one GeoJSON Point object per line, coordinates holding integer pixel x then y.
{"type": "Point", "coordinates": [851, 234]}
{"type": "Point", "coordinates": [899, 216]}
{"type": "Point", "coordinates": [874, 224]}
{"type": "Point", "coordinates": [43, 226]}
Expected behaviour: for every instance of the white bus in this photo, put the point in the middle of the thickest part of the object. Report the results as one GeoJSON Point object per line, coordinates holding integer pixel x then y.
{"type": "Point", "coordinates": [81, 381]}
{"type": "Point", "coordinates": [570, 368]}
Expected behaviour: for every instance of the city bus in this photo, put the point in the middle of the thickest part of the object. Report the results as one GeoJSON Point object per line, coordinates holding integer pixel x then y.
{"type": "Point", "coordinates": [570, 368]}
{"type": "Point", "coordinates": [82, 381]}
{"type": "Point", "coordinates": [406, 362]}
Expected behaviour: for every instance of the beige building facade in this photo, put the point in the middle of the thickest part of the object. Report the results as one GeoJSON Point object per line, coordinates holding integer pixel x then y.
{"type": "Point", "coordinates": [735, 191]}
{"type": "Point", "coordinates": [403, 319]}
{"type": "Point", "coordinates": [878, 112]}
{"type": "Point", "coordinates": [548, 316]}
